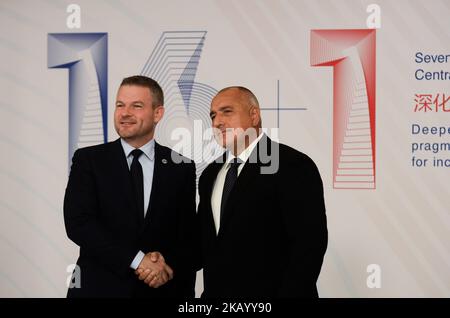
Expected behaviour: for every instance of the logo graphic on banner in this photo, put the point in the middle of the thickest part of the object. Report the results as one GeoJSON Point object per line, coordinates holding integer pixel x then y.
{"type": "Point", "coordinates": [86, 57]}
{"type": "Point", "coordinates": [352, 54]}
{"type": "Point", "coordinates": [173, 64]}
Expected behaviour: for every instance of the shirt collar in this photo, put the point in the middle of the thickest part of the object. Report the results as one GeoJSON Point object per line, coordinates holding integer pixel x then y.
{"type": "Point", "coordinates": [243, 156]}
{"type": "Point", "coordinates": [148, 149]}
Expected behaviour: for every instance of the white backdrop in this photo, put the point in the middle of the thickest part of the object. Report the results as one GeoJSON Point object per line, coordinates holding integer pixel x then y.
{"type": "Point", "coordinates": [402, 226]}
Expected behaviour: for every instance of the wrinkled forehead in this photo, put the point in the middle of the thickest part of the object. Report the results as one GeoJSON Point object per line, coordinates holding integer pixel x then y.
{"type": "Point", "coordinates": [232, 97]}
{"type": "Point", "coordinates": [133, 92]}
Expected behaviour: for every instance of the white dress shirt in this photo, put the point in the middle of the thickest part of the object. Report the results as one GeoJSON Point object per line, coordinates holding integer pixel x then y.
{"type": "Point", "coordinates": [216, 197]}
{"type": "Point", "coordinates": [147, 161]}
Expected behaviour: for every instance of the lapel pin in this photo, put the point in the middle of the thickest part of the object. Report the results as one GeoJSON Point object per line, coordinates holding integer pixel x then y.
{"type": "Point", "coordinates": [164, 161]}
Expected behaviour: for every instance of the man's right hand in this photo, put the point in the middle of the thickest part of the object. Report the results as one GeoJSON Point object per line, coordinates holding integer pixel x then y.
{"type": "Point", "coordinates": [153, 270]}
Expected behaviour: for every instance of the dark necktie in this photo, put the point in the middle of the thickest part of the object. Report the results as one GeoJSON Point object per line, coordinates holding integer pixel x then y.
{"type": "Point", "coordinates": [230, 180]}
{"type": "Point", "coordinates": [138, 181]}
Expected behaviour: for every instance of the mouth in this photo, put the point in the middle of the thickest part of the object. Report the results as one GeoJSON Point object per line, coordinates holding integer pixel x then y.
{"type": "Point", "coordinates": [221, 133]}
{"type": "Point", "coordinates": [126, 123]}
{"type": "Point", "coordinates": [224, 130]}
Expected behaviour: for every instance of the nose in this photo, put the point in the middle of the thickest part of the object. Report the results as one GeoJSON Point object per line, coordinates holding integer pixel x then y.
{"type": "Point", "coordinates": [125, 111]}
{"type": "Point", "coordinates": [217, 122]}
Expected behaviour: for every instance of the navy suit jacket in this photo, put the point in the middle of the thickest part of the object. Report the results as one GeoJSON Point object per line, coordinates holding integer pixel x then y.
{"type": "Point", "coordinates": [101, 217]}
{"type": "Point", "coordinates": [273, 235]}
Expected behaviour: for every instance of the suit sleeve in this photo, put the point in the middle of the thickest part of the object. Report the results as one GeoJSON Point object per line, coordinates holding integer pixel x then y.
{"type": "Point", "coordinates": [81, 217]}
{"type": "Point", "coordinates": [186, 271]}
{"type": "Point", "coordinates": [303, 212]}
{"type": "Point", "coordinates": [199, 243]}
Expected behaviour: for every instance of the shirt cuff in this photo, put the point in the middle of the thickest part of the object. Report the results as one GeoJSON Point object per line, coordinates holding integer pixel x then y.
{"type": "Point", "coordinates": [137, 260]}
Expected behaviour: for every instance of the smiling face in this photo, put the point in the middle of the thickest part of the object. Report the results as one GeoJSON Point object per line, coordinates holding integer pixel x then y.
{"type": "Point", "coordinates": [233, 117]}
{"type": "Point", "coordinates": [135, 117]}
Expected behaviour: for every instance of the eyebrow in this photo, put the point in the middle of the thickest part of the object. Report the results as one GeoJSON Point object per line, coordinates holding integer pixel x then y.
{"type": "Point", "coordinates": [133, 102]}
{"type": "Point", "coordinates": [221, 109]}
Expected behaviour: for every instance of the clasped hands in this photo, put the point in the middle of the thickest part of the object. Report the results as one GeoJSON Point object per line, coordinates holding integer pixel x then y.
{"type": "Point", "coordinates": [153, 270]}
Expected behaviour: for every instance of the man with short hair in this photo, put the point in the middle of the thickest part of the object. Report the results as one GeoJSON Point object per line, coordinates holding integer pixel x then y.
{"type": "Point", "coordinates": [261, 214]}
{"type": "Point", "coordinates": [131, 208]}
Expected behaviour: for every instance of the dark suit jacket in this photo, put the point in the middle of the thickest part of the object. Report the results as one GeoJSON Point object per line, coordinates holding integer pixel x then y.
{"type": "Point", "coordinates": [273, 235]}
{"type": "Point", "coordinates": [101, 217]}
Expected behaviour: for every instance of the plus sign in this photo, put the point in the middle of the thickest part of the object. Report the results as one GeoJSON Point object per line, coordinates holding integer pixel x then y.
{"type": "Point", "coordinates": [278, 108]}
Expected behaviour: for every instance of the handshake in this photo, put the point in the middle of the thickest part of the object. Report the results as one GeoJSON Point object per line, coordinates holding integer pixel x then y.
{"type": "Point", "coordinates": [153, 270]}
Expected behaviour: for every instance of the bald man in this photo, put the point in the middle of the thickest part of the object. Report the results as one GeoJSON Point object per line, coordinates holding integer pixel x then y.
{"type": "Point", "coordinates": [261, 213]}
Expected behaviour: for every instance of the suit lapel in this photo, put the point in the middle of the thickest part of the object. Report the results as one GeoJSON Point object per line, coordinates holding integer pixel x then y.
{"type": "Point", "coordinates": [249, 173]}
{"type": "Point", "coordinates": [209, 178]}
{"type": "Point", "coordinates": [161, 174]}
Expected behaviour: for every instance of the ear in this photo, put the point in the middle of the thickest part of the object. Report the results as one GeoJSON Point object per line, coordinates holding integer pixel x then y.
{"type": "Point", "coordinates": [256, 116]}
{"type": "Point", "coordinates": [158, 114]}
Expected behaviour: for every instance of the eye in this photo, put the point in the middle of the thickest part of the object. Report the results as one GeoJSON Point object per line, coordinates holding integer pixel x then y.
{"type": "Point", "coordinates": [119, 105]}
{"type": "Point", "coordinates": [137, 106]}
